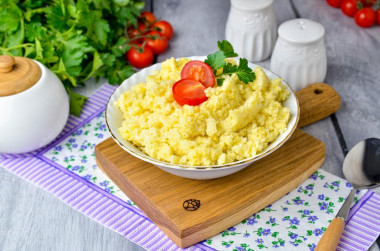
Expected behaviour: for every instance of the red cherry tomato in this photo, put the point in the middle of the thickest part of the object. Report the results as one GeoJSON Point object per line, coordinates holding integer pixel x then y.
{"type": "Point", "coordinates": [368, 3]}
{"type": "Point", "coordinates": [132, 32]}
{"type": "Point", "coordinates": [199, 71]}
{"type": "Point", "coordinates": [140, 59]}
{"type": "Point", "coordinates": [189, 92]}
{"type": "Point", "coordinates": [378, 16]}
{"type": "Point", "coordinates": [334, 3]}
{"type": "Point", "coordinates": [141, 28]}
{"type": "Point", "coordinates": [365, 17]}
{"type": "Point", "coordinates": [164, 28]}
{"type": "Point", "coordinates": [148, 16]}
{"type": "Point", "coordinates": [349, 7]}
{"type": "Point", "coordinates": [159, 44]}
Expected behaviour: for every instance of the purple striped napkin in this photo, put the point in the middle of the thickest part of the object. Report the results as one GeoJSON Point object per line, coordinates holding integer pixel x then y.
{"type": "Point", "coordinates": [74, 178]}
{"type": "Point", "coordinates": [363, 224]}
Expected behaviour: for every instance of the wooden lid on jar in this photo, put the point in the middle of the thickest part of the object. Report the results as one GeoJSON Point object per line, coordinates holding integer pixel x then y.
{"type": "Point", "coordinates": [17, 74]}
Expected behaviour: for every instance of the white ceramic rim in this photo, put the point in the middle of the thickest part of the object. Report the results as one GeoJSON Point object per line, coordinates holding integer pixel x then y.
{"type": "Point", "coordinates": [131, 149]}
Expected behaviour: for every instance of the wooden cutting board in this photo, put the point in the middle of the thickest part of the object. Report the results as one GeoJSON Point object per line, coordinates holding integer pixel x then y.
{"type": "Point", "coordinates": [189, 211]}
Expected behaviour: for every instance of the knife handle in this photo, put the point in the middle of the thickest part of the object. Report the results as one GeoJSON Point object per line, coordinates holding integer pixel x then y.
{"type": "Point", "coordinates": [317, 101]}
{"type": "Point", "coordinates": [330, 238]}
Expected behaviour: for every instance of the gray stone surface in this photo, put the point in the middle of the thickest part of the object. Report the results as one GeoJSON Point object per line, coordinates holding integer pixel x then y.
{"type": "Point", "coordinates": [31, 219]}
{"type": "Point", "coordinates": [353, 69]}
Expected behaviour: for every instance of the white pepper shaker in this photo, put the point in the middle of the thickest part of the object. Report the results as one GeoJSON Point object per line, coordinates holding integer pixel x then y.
{"type": "Point", "coordinates": [299, 55]}
{"type": "Point", "coordinates": [251, 28]}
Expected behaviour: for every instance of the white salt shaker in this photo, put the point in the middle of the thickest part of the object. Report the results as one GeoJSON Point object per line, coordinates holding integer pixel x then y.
{"type": "Point", "coordinates": [251, 28]}
{"type": "Point", "coordinates": [299, 55]}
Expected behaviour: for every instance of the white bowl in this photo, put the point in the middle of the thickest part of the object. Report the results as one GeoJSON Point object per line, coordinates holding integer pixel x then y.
{"type": "Point", "coordinates": [114, 119]}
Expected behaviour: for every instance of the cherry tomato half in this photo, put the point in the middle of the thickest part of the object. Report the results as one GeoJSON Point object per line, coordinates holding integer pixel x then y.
{"type": "Point", "coordinates": [159, 44]}
{"type": "Point", "coordinates": [199, 71]}
{"type": "Point", "coordinates": [164, 28]}
{"type": "Point", "coordinates": [365, 17]}
{"type": "Point", "coordinates": [148, 16]}
{"type": "Point", "coordinates": [140, 59]}
{"type": "Point", "coordinates": [334, 3]}
{"type": "Point", "coordinates": [349, 7]}
{"type": "Point", "coordinates": [189, 92]}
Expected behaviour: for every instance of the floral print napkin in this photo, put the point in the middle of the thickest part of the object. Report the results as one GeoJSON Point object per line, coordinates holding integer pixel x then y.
{"type": "Point", "coordinates": [298, 220]}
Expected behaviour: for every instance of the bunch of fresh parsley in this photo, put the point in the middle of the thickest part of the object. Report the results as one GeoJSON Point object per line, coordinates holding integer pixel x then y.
{"type": "Point", "coordinates": [75, 39]}
{"type": "Point", "coordinates": [217, 61]}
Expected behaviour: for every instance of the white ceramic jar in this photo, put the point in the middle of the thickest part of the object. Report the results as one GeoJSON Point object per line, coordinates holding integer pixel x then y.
{"type": "Point", "coordinates": [34, 105]}
{"type": "Point", "coordinates": [251, 28]}
{"type": "Point", "coordinates": [299, 55]}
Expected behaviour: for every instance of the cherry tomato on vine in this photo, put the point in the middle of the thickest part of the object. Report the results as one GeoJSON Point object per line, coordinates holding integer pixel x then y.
{"type": "Point", "coordinates": [349, 7]}
{"type": "Point", "coordinates": [189, 92]}
{"type": "Point", "coordinates": [368, 3]}
{"type": "Point", "coordinates": [133, 32]}
{"type": "Point", "coordinates": [365, 17]}
{"type": "Point", "coordinates": [148, 16]}
{"type": "Point", "coordinates": [334, 3]}
{"type": "Point", "coordinates": [199, 71]}
{"type": "Point", "coordinates": [164, 28]}
{"type": "Point", "coordinates": [159, 44]}
{"type": "Point", "coordinates": [141, 28]}
{"type": "Point", "coordinates": [141, 57]}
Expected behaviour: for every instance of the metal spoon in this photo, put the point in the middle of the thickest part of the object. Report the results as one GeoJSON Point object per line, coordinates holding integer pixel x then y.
{"type": "Point", "coordinates": [361, 168]}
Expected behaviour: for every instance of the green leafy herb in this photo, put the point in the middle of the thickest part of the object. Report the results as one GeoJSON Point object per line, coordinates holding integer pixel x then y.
{"type": "Point", "coordinates": [227, 49]}
{"type": "Point", "coordinates": [75, 39]}
{"type": "Point", "coordinates": [216, 62]}
{"type": "Point", "coordinates": [244, 73]}
{"type": "Point", "coordinates": [219, 81]}
{"type": "Point", "coordinates": [76, 102]}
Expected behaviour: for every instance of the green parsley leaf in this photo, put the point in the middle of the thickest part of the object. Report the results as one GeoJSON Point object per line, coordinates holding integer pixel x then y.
{"type": "Point", "coordinates": [117, 76]}
{"type": "Point", "coordinates": [120, 47]}
{"type": "Point", "coordinates": [227, 49]}
{"type": "Point", "coordinates": [98, 29]}
{"type": "Point", "coordinates": [56, 17]}
{"type": "Point", "coordinates": [242, 70]}
{"type": "Point", "coordinates": [108, 58]}
{"type": "Point", "coordinates": [219, 81]}
{"type": "Point", "coordinates": [35, 30]}
{"type": "Point", "coordinates": [10, 18]}
{"type": "Point", "coordinates": [16, 38]}
{"type": "Point", "coordinates": [39, 50]}
{"type": "Point", "coordinates": [76, 103]}
{"type": "Point", "coordinates": [216, 60]}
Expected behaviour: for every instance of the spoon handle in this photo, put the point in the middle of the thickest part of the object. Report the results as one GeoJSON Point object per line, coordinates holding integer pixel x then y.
{"type": "Point", "coordinates": [331, 237]}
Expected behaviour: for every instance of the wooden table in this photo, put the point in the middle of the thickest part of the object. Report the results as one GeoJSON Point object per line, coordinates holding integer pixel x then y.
{"type": "Point", "coordinates": [31, 219]}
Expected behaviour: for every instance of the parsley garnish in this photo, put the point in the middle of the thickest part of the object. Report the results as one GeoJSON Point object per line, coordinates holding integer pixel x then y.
{"type": "Point", "coordinates": [227, 49]}
{"type": "Point", "coordinates": [216, 62]}
{"type": "Point", "coordinates": [244, 73]}
{"type": "Point", "coordinates": [77, 39]}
